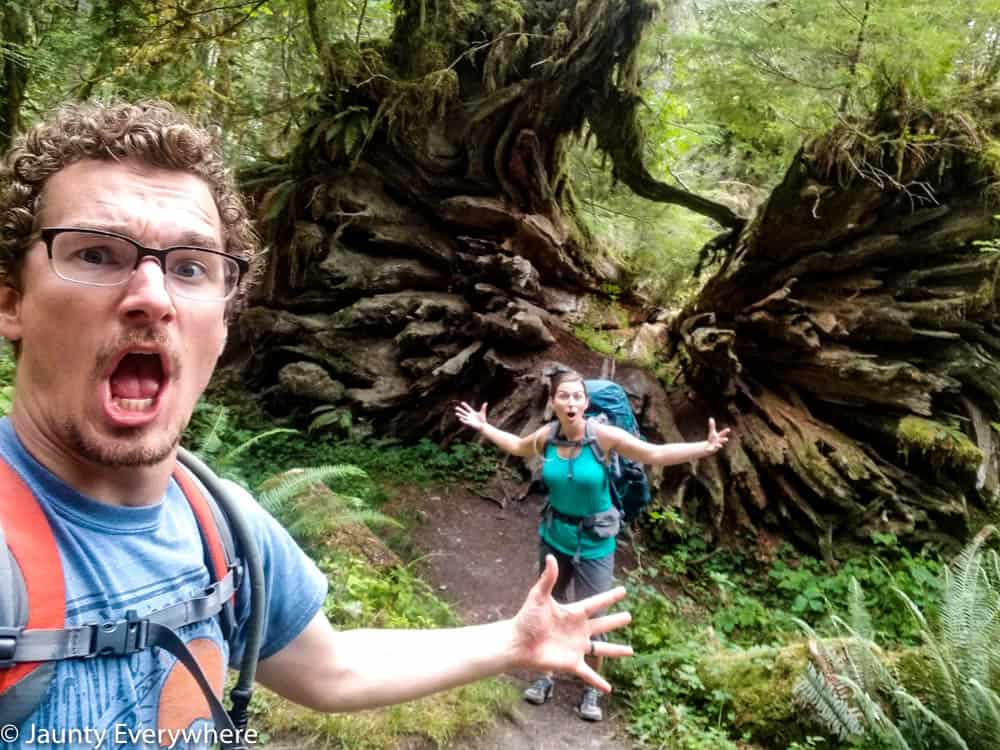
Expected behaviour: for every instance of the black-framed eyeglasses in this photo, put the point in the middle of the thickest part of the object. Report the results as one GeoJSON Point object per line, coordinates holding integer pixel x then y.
{"type": "Point", "coordinates": [98, 258]}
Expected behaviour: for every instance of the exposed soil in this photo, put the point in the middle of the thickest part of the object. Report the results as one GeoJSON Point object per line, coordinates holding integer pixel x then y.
{"type": "Point", "coordinates": [482, 556]}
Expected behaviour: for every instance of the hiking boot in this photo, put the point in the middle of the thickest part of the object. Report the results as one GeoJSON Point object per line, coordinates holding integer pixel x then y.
{"type": "Point", "coordinates": [540, 691]}
{"type": "Point", "coordinates": [590, 707]}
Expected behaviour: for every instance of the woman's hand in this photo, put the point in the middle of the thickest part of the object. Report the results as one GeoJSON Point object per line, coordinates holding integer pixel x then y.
{"type": "Point", "coordinates": [715, 440]}
{"type": "Point", "coordinates": [470, 417]}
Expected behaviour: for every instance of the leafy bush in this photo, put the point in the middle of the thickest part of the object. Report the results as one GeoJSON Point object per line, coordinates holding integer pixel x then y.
{"type": "Point", "coordinates": [396, 598]}
{"type": "Point", "coordinates": [668, 704]}
{"type": "Point", "coordinates": [753, 601]}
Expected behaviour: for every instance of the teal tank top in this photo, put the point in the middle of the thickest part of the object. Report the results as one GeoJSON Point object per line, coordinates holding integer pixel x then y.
{"type": "Point", "coordinates": [587, 492]}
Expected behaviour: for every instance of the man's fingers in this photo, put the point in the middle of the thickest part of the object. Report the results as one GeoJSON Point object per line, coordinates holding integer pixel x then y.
{"type": "Point", "coordinates": [607, 623]}
{"type": "Point", "coordinates": [611, 650]}
{"type": "Point", "coordinates": [547, 580]}
{"type": "Point", "coordinates": [588, 675]}
{"type": "Point", "coordinates": [593, 604]}
{"type": "Point", "coordinates": [711, 425]}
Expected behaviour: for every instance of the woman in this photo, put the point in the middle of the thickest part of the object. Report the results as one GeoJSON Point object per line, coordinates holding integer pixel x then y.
{"type": "Point", "coordinates": [580, 522]}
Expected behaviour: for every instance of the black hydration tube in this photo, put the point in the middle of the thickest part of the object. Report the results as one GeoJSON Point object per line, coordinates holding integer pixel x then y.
{"type": "Point", "coordinates": [246, 545]}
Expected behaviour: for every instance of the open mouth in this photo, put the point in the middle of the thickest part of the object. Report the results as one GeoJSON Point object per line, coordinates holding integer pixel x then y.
{"type": "Point", "coordinates": [137, 381]}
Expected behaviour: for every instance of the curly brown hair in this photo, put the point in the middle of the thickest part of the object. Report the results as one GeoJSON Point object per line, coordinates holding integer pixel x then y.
{"type": "Point", "coordinates": [150, 132]}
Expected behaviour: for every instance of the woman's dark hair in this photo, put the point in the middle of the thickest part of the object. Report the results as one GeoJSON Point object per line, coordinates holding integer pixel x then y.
{"type": "Point", "coordinates": [565, 376]}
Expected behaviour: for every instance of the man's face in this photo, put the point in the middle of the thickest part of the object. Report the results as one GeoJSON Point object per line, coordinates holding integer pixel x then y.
{"type": "Point", "coordinates": [111, 374]}
{"type": "Point", "coordinates": [569, 401]}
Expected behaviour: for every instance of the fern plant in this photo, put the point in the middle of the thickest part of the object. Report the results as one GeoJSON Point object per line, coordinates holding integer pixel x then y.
{"type": "Point", "coordinates": [212, 442]}
{"type": "Point", "coordinates": [949, 702]}
{"type": "Point", "coordinates": [311, 512]}
{"type": "Point", "coordinates": [307, 501]}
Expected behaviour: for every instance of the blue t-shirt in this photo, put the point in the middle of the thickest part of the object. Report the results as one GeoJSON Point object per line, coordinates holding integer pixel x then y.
{"type": "Point", "coordinates": [116, 559]}
{"type": "Point", "coordinates": [578, 486]}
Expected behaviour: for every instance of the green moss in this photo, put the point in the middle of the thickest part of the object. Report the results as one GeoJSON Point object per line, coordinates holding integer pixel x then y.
{"type": "Point", "coordinates": [983, 299]}
{"type": "Point", "coordinates": [601, 321]}
{"type": "Point", "coordinates": [942, 445]}
{"type": "Point", "coordinates": [989, 157]}
{"type": "Point", "coordinates": [598, 341]}
{"type": "Point", "coordinates": [759, 683]}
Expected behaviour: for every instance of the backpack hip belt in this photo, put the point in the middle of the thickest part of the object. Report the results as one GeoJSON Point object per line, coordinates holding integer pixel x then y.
{"type": "Point", "coordinates": [606, 520]}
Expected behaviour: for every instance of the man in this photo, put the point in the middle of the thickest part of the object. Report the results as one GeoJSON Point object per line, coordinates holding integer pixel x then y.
{"type": "Point", "coordinates": [123, 248]}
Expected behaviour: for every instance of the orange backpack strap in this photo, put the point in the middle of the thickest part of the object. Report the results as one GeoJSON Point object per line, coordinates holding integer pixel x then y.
{"type": "Point", "coordinates": [217, 538]}
{"type": "Point", "coordinates": [32, 547]}
{"type": "Point", "coordinates": [215, 551]}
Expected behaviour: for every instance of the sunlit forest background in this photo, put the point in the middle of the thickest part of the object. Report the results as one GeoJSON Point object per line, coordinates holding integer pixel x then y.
{"type": "Point", "coordinates": [730, 90]}
{"type": "Point", "coordinates": [886, 640]}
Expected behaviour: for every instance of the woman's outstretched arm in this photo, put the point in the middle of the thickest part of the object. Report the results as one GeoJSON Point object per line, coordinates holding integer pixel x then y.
{"type": "Point", "coordinates": [505, 441]}
{"type": "Point", "coordinates": [662, 454]}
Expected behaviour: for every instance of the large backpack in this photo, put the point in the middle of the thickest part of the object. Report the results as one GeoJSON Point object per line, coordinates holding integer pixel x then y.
{"type": "Point", "coordinates": [33, 632]}
{"type": "Point", "coordinates": [629, 486]}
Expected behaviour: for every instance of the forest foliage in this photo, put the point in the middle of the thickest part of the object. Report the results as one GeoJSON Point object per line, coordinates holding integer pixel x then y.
{"type": "Point", "coordinates": [730, 88]}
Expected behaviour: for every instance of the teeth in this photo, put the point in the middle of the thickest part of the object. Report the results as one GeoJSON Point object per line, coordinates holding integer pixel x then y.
{"type": "Point", "coordinates": [133, 404]}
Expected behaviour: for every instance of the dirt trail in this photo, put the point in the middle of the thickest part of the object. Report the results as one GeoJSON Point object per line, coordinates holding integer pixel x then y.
{"type": "Point", "coordinates": [483, 559]}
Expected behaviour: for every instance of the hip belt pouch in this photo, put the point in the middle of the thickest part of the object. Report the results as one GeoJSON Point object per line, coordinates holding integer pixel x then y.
{"type": "Point", "coordinates": [605, 524]}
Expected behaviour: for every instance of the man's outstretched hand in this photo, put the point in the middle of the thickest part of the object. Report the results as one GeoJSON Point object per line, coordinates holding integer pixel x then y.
{"type": "Point", "coordinates": [553, 637]}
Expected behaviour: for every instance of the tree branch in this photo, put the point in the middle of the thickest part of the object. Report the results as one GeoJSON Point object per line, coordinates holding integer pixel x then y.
{"type": "Point", "coordinates": [614, 123]}
{"type": "Point", "coordinates": [318, 37]}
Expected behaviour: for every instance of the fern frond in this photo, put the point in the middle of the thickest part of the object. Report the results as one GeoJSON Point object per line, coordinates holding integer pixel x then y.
{"type": "Point", "coordinates": [275, 498]}
{"type": "Point", "coordinates": [945, 681]}
{"type": "Point", "coordinates": [986, 704]}
{"type": "Point", "coordinates": [861, 661]}
{"type": "Point", "coordinates": [246, 444]}
{"type": "Point", "coordinates": [947, 731]}
{"type": "Point", "coordinates": [806, 628]}
{"type": "Point", "coordinates": [867, 667]}
{"type": "Point", "coordinates": [861, 621]}
{"type": "Point", "coordinates": [877, 723]}
{"type": "Point", "coordinates": [306, 525]}
{"type": "Point", "coordinates": [211, 442]}
{"type": "Point", "coordinates": [813, 690]}
{"type": "Point", "coordinates": [964, 596]}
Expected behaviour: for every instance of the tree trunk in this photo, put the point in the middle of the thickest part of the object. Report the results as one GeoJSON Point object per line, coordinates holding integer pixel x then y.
{"type": "Point", "coordinates": [424, 249]}
{"type": "Point", "coordinates": [13, 71]}
{"type": "Point", "coordinates": [425, 241]}
{"type": "Point", "coordinates": [852, 337]}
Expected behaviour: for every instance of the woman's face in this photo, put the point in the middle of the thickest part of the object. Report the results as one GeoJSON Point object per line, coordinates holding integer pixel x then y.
{"type": "Point", "coordinates": [569, 401]}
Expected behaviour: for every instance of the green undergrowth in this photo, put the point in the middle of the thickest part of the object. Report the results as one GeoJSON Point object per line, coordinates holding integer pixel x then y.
{"type": "Point", "coordinates": [386, 461]}
{"type": "Point", "coordinates": [245, 445]}
{"type": "Point", "coordinates": [360, 597]}
{"type": "Point", "coordinates": [698, 610]}
{"type": "Point", "coordinates": [710, 625]}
